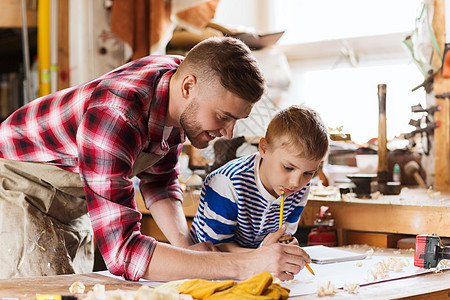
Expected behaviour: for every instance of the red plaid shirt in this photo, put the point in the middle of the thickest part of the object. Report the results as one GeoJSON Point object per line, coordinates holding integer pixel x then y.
{"type": "Point", "coordinates": [98, 129]}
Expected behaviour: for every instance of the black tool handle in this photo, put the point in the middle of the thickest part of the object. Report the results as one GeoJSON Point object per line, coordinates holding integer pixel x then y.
{"type": "Point", "coordinates": [445, 252]}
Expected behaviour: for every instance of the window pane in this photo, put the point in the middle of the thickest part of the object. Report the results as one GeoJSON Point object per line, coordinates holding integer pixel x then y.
{"type": "Point", "coordinates": [348, 97]}
{"type": "Point", "coordinates": [307, 21]}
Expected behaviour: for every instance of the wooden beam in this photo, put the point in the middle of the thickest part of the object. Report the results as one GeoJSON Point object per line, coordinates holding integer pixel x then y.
{"type": "Point", "coordinates": [63, 45]}
{"type": "Point", "coordinates": [441, 86]}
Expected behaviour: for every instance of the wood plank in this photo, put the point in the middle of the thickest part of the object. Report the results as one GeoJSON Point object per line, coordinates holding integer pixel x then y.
{"type": "Point", "coordinates": [441, 85]}
{"type": "Point", "coordinates": [11, 14]}
{"type": "Point", "coordinates": [27, 288]}
{"type": "Point", "coordinates": [375, 239]}
{"type": "Point", "coordinates": [63, 45]}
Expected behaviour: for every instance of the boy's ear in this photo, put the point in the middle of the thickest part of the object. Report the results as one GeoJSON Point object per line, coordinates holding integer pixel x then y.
{"type": "Point", "coordinates": [263, 146]}
{"type": "Point", "coordinates": [188, 85]}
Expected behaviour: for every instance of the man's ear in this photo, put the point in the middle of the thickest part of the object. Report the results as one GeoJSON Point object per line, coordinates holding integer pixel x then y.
{"type": "Point", "coordinates": [263, 147]}
{"type": "Point", "coordinates": [188, 86]}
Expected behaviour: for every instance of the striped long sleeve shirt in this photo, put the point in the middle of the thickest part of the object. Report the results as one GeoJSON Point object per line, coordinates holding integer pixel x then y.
{"type": "Point", "coordinates": [235, 207]}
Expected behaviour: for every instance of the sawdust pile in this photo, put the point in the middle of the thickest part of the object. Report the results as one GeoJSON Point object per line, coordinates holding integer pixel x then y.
{"type": "Point", "coordinates": [383, 267]}
{"type": "Point", "coordinates": [143, 293]}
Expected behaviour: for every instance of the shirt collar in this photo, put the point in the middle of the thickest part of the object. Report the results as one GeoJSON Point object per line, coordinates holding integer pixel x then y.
{"type": "Point", "coordinates": [157, 118]}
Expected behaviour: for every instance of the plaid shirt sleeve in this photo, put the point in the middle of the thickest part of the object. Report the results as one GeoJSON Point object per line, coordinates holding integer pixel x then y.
{"type": "Point", "coordinates": [107, 144]}
{"type": "Point", "coordinates": [166, 184]}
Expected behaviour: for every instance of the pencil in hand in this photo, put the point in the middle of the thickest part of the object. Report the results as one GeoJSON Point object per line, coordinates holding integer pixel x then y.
{"type": "Point", "coordinates": [281, 209]}
{"type": "Point", "coordinates": [281, 224]}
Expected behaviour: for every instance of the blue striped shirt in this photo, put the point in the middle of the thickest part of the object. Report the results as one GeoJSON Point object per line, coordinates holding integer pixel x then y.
{"type": "Point", "coordinates": [235, 207]}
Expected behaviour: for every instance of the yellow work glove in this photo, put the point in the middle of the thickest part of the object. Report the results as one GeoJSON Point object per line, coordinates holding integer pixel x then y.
{"type": "Point", "coordinates": [201, 289]}
{"type": "Point", "coordinates": [258, 287]}
{"type": "Point", "coordinates": [276, 291]}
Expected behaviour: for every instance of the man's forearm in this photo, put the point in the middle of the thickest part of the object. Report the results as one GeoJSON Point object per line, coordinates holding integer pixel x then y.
{"type": "Point", "coordinates": [173, 263]}
{"type": "Point", "coordinates": [231, 247]}
{"type": "Point", "coordinates": [170, 218]}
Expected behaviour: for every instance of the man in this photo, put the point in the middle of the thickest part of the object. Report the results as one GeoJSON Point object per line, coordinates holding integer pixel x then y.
{"type": "Point", "coordinates": [82, 145]}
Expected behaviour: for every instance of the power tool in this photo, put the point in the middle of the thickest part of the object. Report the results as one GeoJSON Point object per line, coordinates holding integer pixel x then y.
{"type": "Point", "coordinates": [429, 251]}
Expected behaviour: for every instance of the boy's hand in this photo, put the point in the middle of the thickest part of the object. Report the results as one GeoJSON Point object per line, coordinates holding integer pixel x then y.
{"type": "Point", "coordinates": [288, 239]}
{"type": "Point", "coordinates": [274, 237]}
{"type": "Point", "coordinates": [285, 238]}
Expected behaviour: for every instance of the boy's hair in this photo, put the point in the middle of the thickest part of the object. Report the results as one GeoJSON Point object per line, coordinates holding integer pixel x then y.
{"type": "Point", "coordinates": [229, 60]}
{"type": "Point", "coordinates": [300, 127]}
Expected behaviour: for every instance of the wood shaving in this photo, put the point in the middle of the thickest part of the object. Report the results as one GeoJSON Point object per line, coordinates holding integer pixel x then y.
{"type": "Point", "coordinates": [77, 288]}
{"type": "Point", "coordinates": [432, 194]}
{"type": "Point", "coordinates": [443, 264]}
{"type": "Point", "coordinates": [375, 195]}
{"type": "Point", "coordinates": [143, 293]}
{"type": "Point", "coordinates": [388, 264]}
{"type": "Point", "coordinates": [351, 288]}
{"type": "Point", "coordinates": [359, 264]}
{"type": "Point", "coordinates": [369, 253]}
{"type": "Point", "coordinates": [348, 197]}
{"type": "Point", "coordinates": [325, 289]}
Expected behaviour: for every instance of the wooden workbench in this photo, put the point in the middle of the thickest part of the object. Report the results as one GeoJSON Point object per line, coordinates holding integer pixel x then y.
{"type": "Point", "coordinates": [425, 286]}
{"type": "Point", "coordinates": [414, 211]}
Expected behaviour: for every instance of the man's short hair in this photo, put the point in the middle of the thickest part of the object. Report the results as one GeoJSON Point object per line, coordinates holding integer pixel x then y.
{"type": "Point", "coordinates": [229, 60]}
{"type": "Point", "coordinates": [300, 128]}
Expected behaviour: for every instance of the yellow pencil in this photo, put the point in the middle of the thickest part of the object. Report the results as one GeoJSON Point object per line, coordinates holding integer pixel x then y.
{"type": "Point", "coordinates": [281, 208]}
{"type": "Point", "coordinates": [309, 268]}
{"type": "Point", "coordinates": [281, 224]}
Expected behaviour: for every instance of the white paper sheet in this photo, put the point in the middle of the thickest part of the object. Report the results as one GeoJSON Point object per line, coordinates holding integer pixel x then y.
{"type": "Point", "coordinates": [322, 255]}
{"type": "Point", "coordinates": [350, 272]}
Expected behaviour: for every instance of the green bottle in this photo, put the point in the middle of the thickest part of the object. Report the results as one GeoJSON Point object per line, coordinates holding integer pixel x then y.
{"type": "Point", "coordinates": [396, 175]}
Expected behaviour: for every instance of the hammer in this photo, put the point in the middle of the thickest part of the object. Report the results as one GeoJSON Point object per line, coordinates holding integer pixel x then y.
{"type": "Point", "coordinates": [412, 169]}
{"type": "Point", "coordinates": [429, 251]}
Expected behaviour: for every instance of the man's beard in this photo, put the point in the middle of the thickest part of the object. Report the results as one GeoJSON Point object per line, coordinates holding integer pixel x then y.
{"type": "Point", "coordinates": [192, 127]}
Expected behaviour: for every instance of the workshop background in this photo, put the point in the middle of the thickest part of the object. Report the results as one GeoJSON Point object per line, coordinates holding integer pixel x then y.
{"type": "Point", "coordinates": [333, 56]}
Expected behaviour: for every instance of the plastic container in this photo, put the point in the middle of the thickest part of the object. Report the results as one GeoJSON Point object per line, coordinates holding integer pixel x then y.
{"type": "Point", "coordinates": [367, 163]}
{"type": "Point", "coordinates": [396, 174]}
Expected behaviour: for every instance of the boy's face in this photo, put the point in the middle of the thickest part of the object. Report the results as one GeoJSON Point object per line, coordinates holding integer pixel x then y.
{"type": "Point", "coordinates": [282, 168]}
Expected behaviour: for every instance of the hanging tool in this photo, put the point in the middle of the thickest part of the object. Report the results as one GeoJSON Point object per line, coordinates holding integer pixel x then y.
{"type": "Point", "coordinates": [446, 58]}
{"type": "Point", "coordinates": [412, 168]}
{"type": "Point", "coordinates": [429, 251]}
{"type": "Point", "coordinates": [382, 142]}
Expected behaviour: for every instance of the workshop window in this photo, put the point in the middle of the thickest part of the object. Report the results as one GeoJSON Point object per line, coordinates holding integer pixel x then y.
{"type": "Point", "coordinates": [338, 52]}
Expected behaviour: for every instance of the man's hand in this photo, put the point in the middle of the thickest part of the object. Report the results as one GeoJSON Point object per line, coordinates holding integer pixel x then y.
{"type": "Point", "coordinates": [286, 258]}
{"type": "Point", "coordinates": [204, 246]}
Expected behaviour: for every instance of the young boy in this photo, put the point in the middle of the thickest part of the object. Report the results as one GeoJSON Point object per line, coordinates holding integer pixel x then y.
{"type": "Point", "coordinates": [240, 202]}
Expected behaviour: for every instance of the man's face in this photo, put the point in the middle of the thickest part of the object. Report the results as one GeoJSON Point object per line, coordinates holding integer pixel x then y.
{"type": "Point", "coordinates": [282, 168]}
{"type": "Point", "coordinates": [213, 114]}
